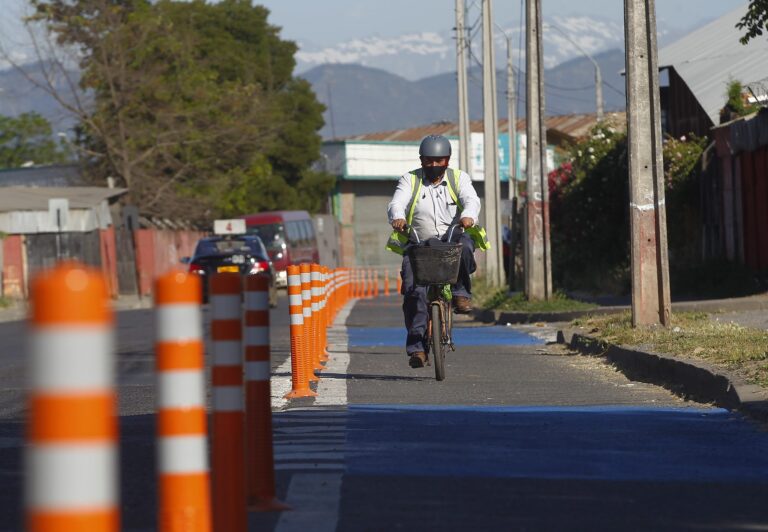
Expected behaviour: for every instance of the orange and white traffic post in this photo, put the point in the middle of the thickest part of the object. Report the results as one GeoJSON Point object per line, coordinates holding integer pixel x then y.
{"type": "Point", "coordinates": [228, 444]}
{"type": "Point", "coordinates": [71, 454]}
{"type": "Point", "coordinates": [310, 322]}
{"type": "Point", "coordinates": [299, 352]}
{"type": "Point", "coordinates": [399, 279]}
{"type": "Point", "coordinates": [386, 282]}
{"type": "Point", "coordinates": [260, 463]}
{"type": "Point", "coordinates": [318, 320]}
{"type": "Point", "coordinates": [325, 289]}
{"type": "Point", "coordinates": [182, 432]}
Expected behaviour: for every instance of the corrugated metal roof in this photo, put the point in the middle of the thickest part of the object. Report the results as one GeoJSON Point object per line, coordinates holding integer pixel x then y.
{"type": "Point", "coordinates": [708, 58]}
{"type": "Point", "coordinates": [573, 126]}
{"type": "Point", "coordinates": [36, 198]}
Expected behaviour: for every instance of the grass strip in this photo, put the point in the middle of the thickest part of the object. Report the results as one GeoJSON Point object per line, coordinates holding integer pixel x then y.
{"type": "Point", "coordinates": [692, 335]}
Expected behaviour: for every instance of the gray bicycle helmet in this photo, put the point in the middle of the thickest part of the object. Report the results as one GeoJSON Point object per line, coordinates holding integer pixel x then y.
{"type": "Point", "coordinates": [435, 146]}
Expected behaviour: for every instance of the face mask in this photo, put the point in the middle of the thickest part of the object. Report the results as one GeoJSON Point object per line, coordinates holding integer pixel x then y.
{"type": "Point", "coordinates": [433, 172]}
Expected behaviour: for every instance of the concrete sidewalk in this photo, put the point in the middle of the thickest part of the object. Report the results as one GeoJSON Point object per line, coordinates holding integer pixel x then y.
{"type": "Point", "coordinates": [522, 435]}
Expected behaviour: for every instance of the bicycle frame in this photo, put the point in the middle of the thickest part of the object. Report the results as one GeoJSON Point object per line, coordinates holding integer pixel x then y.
{"type": "Point", "coordinates": [435, 297]}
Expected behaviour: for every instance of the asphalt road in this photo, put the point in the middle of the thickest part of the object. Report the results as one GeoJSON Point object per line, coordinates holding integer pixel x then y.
{"type": "Point", "coordinates": [522, 435]}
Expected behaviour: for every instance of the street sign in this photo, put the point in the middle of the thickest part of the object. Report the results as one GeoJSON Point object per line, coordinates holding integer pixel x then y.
{"type": "Point", "coordinates": [229, 227]}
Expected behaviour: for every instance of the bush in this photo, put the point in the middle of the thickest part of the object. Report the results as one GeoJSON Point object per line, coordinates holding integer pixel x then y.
{"type": "Point", "coordinates": [589, 202]}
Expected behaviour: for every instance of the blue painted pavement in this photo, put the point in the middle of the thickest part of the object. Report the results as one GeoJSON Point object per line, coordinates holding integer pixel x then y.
{"type": "Point", "coordinates": [595, 443]}
{"type": "Point", "coordinates": [462, 336]}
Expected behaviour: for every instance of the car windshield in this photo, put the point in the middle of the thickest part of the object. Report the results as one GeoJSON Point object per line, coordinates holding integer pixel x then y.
{"type": "Point", "coordinates": [270, 234]}
{"type": "Point", "coordinates": [225, 247]}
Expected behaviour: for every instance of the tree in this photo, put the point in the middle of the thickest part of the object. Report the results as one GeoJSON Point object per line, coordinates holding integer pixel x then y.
{"type": "Point", "coordinates": [27, 138]}
{"type": "Point", "coordinates": [192, 105]}
{"type": "Point", "coordinates": [755, 21]}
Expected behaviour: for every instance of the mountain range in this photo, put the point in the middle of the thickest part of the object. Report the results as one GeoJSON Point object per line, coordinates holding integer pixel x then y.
{"type": "Point", "coordinates": [415, 56]}
{"type": "Point", "coordinates": [361, 99]}
{"type": "Point", "coordinates": [377, 83]}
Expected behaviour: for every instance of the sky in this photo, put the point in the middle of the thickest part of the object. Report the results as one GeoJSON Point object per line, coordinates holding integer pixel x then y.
{"type": "Point", "coordinates": [328, 22]}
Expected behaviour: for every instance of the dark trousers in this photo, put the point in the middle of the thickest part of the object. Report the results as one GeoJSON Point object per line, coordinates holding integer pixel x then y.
{"type": "Point", "coordinates": [415, 297]}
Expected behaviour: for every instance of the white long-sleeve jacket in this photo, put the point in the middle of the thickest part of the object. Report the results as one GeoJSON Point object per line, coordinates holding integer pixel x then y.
{"type": "Point", "coordinates": [435, 210]}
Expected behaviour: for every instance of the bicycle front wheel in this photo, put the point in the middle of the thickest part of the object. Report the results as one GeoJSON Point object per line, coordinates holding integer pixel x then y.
{"type": "Point", "coordinates": [438, 349]}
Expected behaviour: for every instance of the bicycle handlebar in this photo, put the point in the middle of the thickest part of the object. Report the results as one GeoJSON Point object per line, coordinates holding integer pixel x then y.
{"type": "Point", "coordinates": [409, 229]}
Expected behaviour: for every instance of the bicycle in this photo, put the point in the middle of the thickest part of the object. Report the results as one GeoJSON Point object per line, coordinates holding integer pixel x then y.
{"type": "Point", "coordinates": [437, 268]}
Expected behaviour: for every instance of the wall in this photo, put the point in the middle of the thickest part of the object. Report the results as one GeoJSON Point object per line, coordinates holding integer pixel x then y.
{"type": "Point", "coordinates": [742, 147]}
{"type": "Point", "coordinates": [109, 260]}
{"type": "Point", "coordinates": [158, 251]}
{"type": "Point", "coordinates": [14, 284]}
{"type": "Point", "coordinates": [754, 177]}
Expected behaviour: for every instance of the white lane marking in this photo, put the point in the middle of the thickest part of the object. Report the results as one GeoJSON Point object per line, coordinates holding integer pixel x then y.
{"type": "Point", "coordinates": [311, 443]}
{"type": "Point", "coordinates": [314, 498]}
{"type": "Point", "coordinates": [281, 384]}
{"type": "Point", "coordinates": [315, 467]}
{"type": "Point", "coordinates": [332, 390]}
{"type": "Point", "coordinates": [303, 458]}
{"type": "Point", "coordinates": [336, 389]}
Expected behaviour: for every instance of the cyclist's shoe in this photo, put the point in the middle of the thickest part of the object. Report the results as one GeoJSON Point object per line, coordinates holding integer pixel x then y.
{"type": "Point", "coordinates": [418, 359]}
{"type": "Point", "coordinates": [461, 305]}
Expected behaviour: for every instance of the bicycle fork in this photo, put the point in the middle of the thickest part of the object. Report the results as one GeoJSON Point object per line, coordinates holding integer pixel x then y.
{"type": "Point", "coordinates": [445, 315]}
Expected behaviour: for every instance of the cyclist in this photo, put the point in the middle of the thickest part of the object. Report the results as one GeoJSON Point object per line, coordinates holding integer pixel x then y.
{"type": "Point", "coordinates": [431, 199]}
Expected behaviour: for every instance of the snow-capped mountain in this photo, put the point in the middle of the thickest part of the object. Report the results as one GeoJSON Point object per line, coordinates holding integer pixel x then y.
{"type": "Point", "coordinates": [419, 55]}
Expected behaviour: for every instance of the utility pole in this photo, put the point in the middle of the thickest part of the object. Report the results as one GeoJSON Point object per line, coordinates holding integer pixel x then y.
{"type": "Point", "coordinates": [598, 74]}
{"type": "Point", "coordinates": [538, 266]}
{"type": "Point", "coordinates": [648, 221]}
{"type": "Point", "coordinates": [330, 111]}
{"type": "Point", "coordinates": [465, 159]}
{"type": "Point", "coordinates": [512, 184]}
{"type": "Point", "coordinates": [494, 266]}
{"type": "Point", "coordinates": [511, 122]}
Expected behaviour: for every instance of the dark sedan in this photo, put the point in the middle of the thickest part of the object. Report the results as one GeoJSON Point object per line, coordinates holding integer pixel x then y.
{"type": "Point", "coordinates": [244, 254]}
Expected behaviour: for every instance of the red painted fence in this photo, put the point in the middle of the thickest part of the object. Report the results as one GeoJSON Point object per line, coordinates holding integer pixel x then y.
{"type": "Point", "coordinates": [157, 251]}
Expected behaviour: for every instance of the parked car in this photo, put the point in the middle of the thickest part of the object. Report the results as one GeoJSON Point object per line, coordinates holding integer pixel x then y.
{"type": "Point", "coordinates": [289, 237]}
{"type": "Point", "coordinates": [245, 254]}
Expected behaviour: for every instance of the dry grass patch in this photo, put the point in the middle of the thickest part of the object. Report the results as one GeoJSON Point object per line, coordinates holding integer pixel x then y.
{"type": "Point", "coordinates": [693, 335]}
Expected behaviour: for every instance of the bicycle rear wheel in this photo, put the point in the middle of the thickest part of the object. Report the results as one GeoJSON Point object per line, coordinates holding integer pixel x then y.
{"type": "Point", "coordinates": [438, 349]}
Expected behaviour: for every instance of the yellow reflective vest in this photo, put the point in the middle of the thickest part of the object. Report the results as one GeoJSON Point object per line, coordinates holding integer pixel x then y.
{"type": "Point", "coordinates": [398, 242]}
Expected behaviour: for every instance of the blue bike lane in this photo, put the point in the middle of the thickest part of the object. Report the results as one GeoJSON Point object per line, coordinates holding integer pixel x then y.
{"type": "Point", "coordinates": [521, 436]}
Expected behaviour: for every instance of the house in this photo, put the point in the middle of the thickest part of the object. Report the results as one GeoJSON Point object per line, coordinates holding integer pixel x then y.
{"type": "Point", "coordinates": [367, 168]}
{"type": "Point", "coordinates": [41, 225]}
{"type": "Point", "coordinates": [695, 72]}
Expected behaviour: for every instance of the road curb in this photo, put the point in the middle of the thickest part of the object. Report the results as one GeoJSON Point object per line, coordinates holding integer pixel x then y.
{"type": "Point", "coordinates": [694, 380]}
{"type": "Point", "coordinates": [749, 303]}
{"type": "Point", "coordinates": [503, 317]}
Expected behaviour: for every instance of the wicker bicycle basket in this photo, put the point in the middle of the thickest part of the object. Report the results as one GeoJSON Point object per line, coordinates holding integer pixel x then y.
{"type": "Point", "coordinates": [435, 264]}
